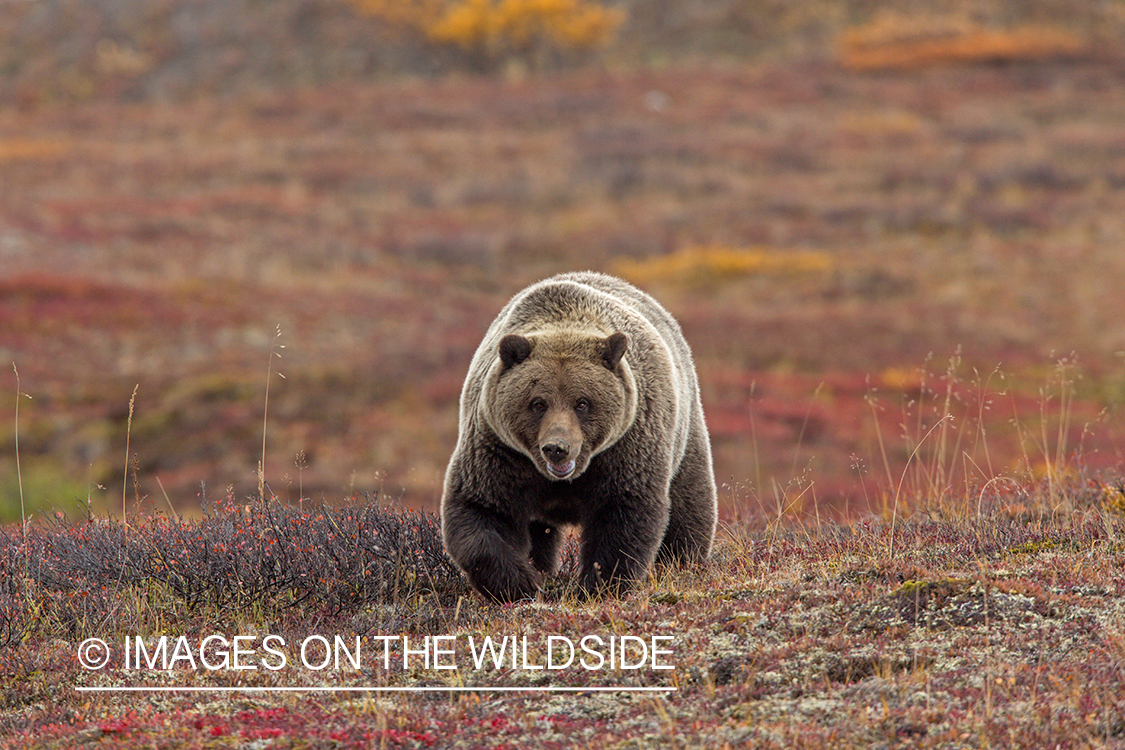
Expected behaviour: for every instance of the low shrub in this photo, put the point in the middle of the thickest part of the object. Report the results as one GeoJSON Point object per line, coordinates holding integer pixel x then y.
{"type": "Point", "coordinates": [256, 558]}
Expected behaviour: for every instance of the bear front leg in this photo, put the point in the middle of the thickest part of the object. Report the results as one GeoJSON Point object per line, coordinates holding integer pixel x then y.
{"type": "Point", "coordinates": [492, 550]}
{"type": "Point", "coordinates": [545, 543]}
{"type": "Point", "coordinates": [619, 544]}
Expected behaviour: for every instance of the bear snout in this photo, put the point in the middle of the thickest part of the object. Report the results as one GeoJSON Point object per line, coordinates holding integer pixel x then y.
{"type": "Point", "coordinates": [559, 462]}
{"type": "Point", "coordinates": [556, 452]}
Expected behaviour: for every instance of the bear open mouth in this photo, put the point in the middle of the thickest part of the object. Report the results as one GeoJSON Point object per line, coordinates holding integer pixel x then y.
{"type": "Point", "coordinates": [561, 471]}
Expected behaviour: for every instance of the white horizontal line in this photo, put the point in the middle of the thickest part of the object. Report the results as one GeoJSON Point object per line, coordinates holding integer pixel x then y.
{"type": "Point", "coordinates": [324, 689]}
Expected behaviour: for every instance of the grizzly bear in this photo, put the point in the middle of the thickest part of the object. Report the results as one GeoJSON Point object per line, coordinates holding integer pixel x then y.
{"type": "Point", "coordinates": [580, 408]}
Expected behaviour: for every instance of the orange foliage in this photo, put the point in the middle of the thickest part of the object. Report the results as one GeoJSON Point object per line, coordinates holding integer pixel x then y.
{"type": "Point", "coordinates": [31, 150]}
{"type": "Point", "coordinates": [891, 41]}
{"type": "Point", "coordinates": [492, 29]}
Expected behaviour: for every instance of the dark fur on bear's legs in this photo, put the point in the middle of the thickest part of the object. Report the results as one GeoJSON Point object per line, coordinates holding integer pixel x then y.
{"type": "Point", "coordinates": [691, 524]}
{"type": "Point", "coordinates": [493, 551]}
{"type": "Point", "coordinates": [617, 549]}
{"type": "Point", "coordinates": [546, 540]}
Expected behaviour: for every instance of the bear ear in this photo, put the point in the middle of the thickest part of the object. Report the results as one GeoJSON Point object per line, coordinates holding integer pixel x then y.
{"type": "Point", "coordinates": [514, 349]}
{"type": "Point", "coordinates": [613, 349]}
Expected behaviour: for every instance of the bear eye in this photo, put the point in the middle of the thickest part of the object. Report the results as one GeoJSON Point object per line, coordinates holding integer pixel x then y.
{"type": "Point", "coordinates": [582, 405]}
{"type": "Point", "coordinates": [538, 405]}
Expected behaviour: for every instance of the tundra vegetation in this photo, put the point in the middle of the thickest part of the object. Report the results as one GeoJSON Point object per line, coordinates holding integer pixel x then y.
{"type": "Point", "coordinates": [995, 619]}
{"type": "Point", "coordinates": [894, 243]}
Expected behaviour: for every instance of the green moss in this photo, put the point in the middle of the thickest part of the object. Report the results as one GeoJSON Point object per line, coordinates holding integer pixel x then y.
{"type": "Point", "coordinates": [922, 589]}
{"type": "Point", "coordinates": [1032, 548]}
{"type": "Point", "coordinates": [1045, 545]}
{"type": "Point", "coordinates": [46, 488]}
{"type": "Point", "coordinates": [910, 587]}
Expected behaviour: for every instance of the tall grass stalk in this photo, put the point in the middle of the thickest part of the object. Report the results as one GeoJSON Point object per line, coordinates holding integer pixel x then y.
{"type": "Point", "coordinates": [983, 404]}
{"type": "Point", "coordinates": [1052, 460]}
{"type": "Point", "coordinates": [301, 462]}
{"type": "Point", "coordinates": [758, 486]}
{"type": "Point", "coordinates": [128, 434]}
{"type": "Point", "coordinates": [1064, 370]}
{"type": "Point", "coordinates": [19, 473]}
{"type": "Point", "coordinates": [902, 480]}
{"type": "Point", "coordinates": [804, 426]}
{"type": "Point", "coordinates": [870, 399]}
{"type": "Point", "coordinates": [167, 499]}
{"type": "Point", "coordinates": [274, 352]}
{"type": "Point", "coordinates": [942, 468]}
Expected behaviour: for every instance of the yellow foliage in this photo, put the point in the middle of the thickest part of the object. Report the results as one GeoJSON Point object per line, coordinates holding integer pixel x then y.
{"type": "Point", "coordinates": [893, 41]}
{"type": "Point", "coordinates": [705, 264]}
{"type": "Point", "coordinates": [491, 28]}
{"type": "Point", "coordinates": [468, 24]}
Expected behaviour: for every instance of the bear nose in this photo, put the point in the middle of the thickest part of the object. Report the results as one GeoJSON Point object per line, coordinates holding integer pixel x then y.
{"type": "Point", "coordinates": [556, 452]}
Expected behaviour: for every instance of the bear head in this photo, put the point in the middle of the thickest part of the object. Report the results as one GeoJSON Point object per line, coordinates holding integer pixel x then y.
{"type": "Point", "coordinates": [561, 397]}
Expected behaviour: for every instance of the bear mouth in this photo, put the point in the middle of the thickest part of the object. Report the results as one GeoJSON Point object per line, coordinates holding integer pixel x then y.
{"type": "Point", "coordinates": [561, 471]}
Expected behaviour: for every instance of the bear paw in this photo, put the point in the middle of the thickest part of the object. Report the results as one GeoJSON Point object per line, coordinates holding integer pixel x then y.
{"type": "Point", "coordinates": [596, 582]}
{"type": "Point", "coordinates": [503, 580]}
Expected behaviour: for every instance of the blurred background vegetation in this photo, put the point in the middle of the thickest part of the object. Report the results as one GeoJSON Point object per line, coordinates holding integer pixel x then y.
{"type": "Point", "coordinates": [869, 217]}
{"type": "Point", "coordinates": [162, 48]}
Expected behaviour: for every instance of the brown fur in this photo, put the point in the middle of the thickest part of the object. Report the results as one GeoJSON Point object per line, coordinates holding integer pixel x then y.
{"type": "Point", "coordinates": [581, 407]}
